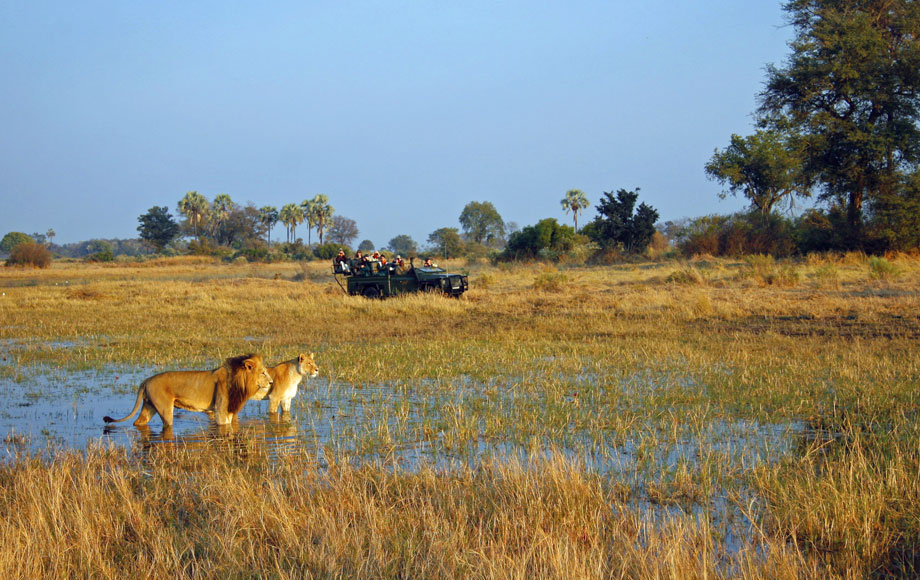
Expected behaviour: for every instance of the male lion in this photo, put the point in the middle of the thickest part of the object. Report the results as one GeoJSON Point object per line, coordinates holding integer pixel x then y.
{"type": "Point", "coordinates": [222, 391]}
{"type": "Point", "coordinates": [285, 378]}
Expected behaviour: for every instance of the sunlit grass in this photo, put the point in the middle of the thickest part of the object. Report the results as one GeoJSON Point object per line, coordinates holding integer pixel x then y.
{"type": "Point", "coordinates": [678, 404]}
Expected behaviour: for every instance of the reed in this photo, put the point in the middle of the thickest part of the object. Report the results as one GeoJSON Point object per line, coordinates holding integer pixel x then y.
{"type": "Point", "coordinates": [610, 423]}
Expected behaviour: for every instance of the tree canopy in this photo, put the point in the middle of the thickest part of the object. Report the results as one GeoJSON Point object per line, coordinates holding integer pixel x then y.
{"type": "Point", "coordinates": [343, 230]}
{"type": "Point", "coordinates": [13, 239]}
{"type": "Point", "coordinates": [763, 167]}
{"type": "Point", "coordinates": [620, 223]}
{"type": "Point", "coordinates": [575, 201]}
{"type": "Point", "coordinates": [446, 242]}
{"type": "Point", "coordinates": [403, 245]}
{"type": "Point", "coordinates": [157, 227]}
{"type": "Point", "coordinates": [533, 241]}
{"type": "Point", "coordinates": [850, 90]}
{"type": "Point", "coordinates": [482, 223]}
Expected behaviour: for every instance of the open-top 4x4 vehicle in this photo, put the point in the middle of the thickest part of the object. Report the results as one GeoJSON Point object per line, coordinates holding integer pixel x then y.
{"type": "Point", "coordinates": [372, 280]}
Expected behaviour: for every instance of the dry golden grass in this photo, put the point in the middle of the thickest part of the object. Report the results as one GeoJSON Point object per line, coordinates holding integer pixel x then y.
{"type": "Point", "coordinates": [822, 342]}
{"type": "Point", "coordinates": [222, 512]}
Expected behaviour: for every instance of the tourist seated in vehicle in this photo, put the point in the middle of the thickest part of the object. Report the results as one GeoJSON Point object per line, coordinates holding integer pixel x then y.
{"type": "Point", "coordinates": [396, 266]}
{"type": "Point", "coordinates": [340, 263]}
{"type": "Point", "coordinates": [428, 264]}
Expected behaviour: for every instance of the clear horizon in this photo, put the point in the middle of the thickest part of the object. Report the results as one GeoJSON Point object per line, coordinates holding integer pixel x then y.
{"type": "Point", "coordinates": [400, 112]}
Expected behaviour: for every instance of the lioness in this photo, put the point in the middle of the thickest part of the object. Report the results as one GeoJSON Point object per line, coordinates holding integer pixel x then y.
{"type": "Point", "coordinates": [224, 391]}
{"type": "Point", "coordinates": [285, 378]}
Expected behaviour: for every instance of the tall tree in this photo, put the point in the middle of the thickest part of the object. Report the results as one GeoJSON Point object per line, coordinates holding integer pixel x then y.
{"type": "Point", "coordinates": [851, 89]}
{"type": "Point", "coordinates": [291, 215]}
{"type": "Point", "coordinates": [268, 217]}
{"type": "Point", "coordinates": [343, 230]}
{"type": "Point", "coordinates": [286, 217]}
{"type": "Point", "coordinates": [194, 207]}
{"type": "Point", "coordinates": [403, 245]}
{"type": "Point", "coordinates": [482, 223]}
{"type": "Point", "coordinates": [309, 216]}
{"type": "Point", "coordinates": [575, 201]}
{"type": "Point", "coordinates": [763, 167]}
{"type": "Point", "coordinates": [322, 212]}
{"type": "Point", "coordinates": [50, 235]}
{"type": "Point", "coordinates": [620, 222]}
{"type": "Point", "coordinates": [446, 242]}
{"type": "Point", "coordinates": [220, 209]}
{"type": "Point", "coordinates": [157, 227]}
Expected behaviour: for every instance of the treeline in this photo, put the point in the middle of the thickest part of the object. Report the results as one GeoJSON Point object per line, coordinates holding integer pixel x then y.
{"type": "Point", "coordinates": [836, 129]}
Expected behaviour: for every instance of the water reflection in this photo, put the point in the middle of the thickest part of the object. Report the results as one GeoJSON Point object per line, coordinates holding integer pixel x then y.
{"type": "Point", "coordinates": [273, 436]}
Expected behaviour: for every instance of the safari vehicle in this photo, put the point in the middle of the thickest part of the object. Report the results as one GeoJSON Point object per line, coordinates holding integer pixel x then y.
{"type": "Point", "coordinates": [375, 281]}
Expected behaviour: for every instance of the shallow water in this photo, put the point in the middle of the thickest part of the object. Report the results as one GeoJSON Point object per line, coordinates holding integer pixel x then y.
{"type": "Point", "coordinates": [445, 422]}
{"type": "Point", "coordinates": [435, 420]}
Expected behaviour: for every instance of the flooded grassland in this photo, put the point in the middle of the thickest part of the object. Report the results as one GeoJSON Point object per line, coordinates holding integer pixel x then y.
{"type": "Point", "coordinates": [684, 419]}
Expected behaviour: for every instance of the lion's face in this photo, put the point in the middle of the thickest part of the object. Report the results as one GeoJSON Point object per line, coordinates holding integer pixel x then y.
{"type": "Point", "coordinates": [256, 368]}
{"type": "Point", "coordinates": [306, 366]}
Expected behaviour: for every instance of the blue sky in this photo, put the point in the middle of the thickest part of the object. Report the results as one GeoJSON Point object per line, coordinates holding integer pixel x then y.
{"type": "Point", "coordinates": [400, 112]}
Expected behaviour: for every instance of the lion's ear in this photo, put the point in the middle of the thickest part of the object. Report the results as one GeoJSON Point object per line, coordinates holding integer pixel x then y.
{"type": "Point", "coordinates": [302, 357]}
{"type": "Point", "coordinates": [311, 356]}
{"type": "Point", "coordinates": [248, 364]}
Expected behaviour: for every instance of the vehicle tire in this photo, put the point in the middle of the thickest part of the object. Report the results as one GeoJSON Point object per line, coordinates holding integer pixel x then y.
{"type": "Point", "coordinates": [371, 292]}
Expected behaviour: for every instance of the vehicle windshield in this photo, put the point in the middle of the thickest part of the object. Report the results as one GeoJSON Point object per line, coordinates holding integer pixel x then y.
{"type": "Point", "coordinates": [431, 269]}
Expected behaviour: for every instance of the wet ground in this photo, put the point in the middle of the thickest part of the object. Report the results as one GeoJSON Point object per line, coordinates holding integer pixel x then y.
{"type": "Point", "coordinates": [443, 422]}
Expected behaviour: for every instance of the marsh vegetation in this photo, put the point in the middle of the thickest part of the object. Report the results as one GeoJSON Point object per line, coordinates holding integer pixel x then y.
{"type": "Point", "coordinates": [708, 418]}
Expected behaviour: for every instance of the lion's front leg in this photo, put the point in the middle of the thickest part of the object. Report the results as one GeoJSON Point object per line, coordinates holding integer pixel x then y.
{"type": "Point", "coordinates": [221, 404]}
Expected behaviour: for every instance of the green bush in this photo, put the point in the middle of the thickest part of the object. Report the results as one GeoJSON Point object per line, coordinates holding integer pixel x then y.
{"type": "Point", "coordinates": [547, 240]}
{"type": "Point", "coordinates": [103, 256]}
{"type": "Point", "coordinates": [882, 269]}
{"type": "Point", "coordinates": [329, 251]}
{"type": "Point", "coordinates": [827, 276]}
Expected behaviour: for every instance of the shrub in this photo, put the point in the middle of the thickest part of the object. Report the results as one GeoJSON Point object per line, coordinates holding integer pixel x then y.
{"type": "Point", "coordinates": [882, 269]}
{"type": "Point", "coordinates": [484, 281]}
{"type": "Point", "coordinates": [329, 251]}
{"type": "Point", "coordinates": [29, 254]}
{"type": "Point", "coordinates": [763, 268]}
{"type": "Point", "coordinates": [827, 276]}
{"type": "Point", "coordinates": [737, 235]}
{"type": "Point", "coordinates": [202, 247]}
{"type": "Point", "coordinates": [546, 240]}
{"type": "Point", "coordinates": [688, 275]}
{"type": "Point", "coordinates": [253, 254]}
{"type": "Point", "coordinates": [103, 256]}
{"type": "Point", "coordinates": [550, 281]}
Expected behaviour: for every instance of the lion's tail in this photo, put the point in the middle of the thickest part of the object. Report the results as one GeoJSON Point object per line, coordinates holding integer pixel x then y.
{"type": "Point", "coordinates": [137, 405]}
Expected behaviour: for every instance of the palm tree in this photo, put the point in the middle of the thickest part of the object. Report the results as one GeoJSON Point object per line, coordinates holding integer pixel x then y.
{"type": "Point", "coordinates": [194, 207]}
{"type": "Point", "coordinates": [576, 202]}
{"type": "Point", "coordinates": [221, 207]}
{"type": "Point", "coordinates": [286, 216]}
{"type": "Point", "coordinates": [298, 219]}
{"type": "Point", "coordinates": [323, 213]}
{"type": "Point", "coordinates": [309, 215]}
{"type": "Point", "coordinates": [291, 215]}
{"type": "Point", "coordinates": [50, 235]}
{"type": "Point", "coordinates": [268, 217]}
